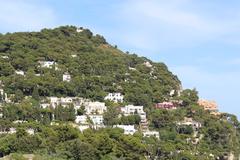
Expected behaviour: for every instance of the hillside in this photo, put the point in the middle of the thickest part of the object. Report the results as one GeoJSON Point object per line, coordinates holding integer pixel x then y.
{"type": "Point", "coordinates": [97, 69]}
{"type": "Point", "coordinates": [66, 93]}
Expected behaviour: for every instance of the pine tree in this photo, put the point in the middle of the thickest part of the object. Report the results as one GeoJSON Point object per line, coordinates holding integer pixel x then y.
{"type": "Point", "coordinates": [35, 93]}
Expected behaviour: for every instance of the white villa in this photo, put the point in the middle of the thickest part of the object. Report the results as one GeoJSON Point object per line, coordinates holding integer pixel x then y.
{"type": "Point", "coordinates": [20, 72]}
{"type": "Point", "coordinates": [45, 105]}
{"type": "Point", "coordinates": [95, 108]}
{"type": "Point", "coordinates": [151, 133]}
{"type": "Point", "coordinates": [90, 121]}
{"type": "Point", "coordinates": [5, 96]}
{"type": "Point", "coordinates": [64, 101]}
{"type": "Point", "coordinates": [128, 129]}
{"type": "Point", "coordinates": [131, 109]}
{"type": "Point", "coordinates": [1, 92]}
{"type": "Point", "coordinates": [190, 122]}
{"type": "Point", "coordinates": [66, 77]}
{"type": "Point", "coordinates": [96, 119]}
{"type": "Point", "coordinates": [54, 101]}
{"type": "Point", "coordinates": [5, 57]}
{"type": "Point", "coordinates": [131, 68]}
{"type": "Point", "coordinates": [47, 64]}
{"type": "Point", "coordinates": [12, 130]}
{"type": "Point", "coordinates": [81, 119]}
{"type": "Point", "coordinates": [115, 97]}
{"type": "Point", "coordinates": [30, 131]}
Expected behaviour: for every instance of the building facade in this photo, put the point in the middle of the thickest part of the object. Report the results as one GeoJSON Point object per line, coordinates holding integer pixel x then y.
{"type": "Point", "coordinates": [165, 105]}
{"type": "Point", "coordinates": [115, 97]}
{"type": "Point", "coordinates": [128, 129]}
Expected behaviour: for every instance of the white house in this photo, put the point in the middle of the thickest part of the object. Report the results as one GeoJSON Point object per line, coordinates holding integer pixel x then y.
{"type": "Point", "coordinates": [95, 107]}
{"type": "Point", "coordinates": [7, 99]}
{"type": "Point", "coordinates": [131, 109]}
{"type": "Point", "coordinates": [190, 122]}
{"type": "Point", "coordinates": [73, 55]}
{"type": "Point", "coordinates": [81, 119]}
{"type": "Point", "coordinates": [115, 97]}
{"type": "Point", "coordinates": [5, 57]}
{"type": "Point", "coordinates": [45, 105]}
{"type": "Point", "coordinates": [19, 121]}
{"type": "Point", "coordinates": [54, 101]}
{"type": "Point", "coordinates": [66, 77]}
{"type": "Point", "coordinates": [128, 129]}
{"type": "Point", "coordinates": [96, 119]}
{"type": "Point", "coordinates": [30, 131]}
{"type": "Point", "coordinates": [77, 102]}
{"type": "Point", "coordinates": [131, 68]}
{"type": "Point", "coordinates": [1, 92]}
{"type": "Point", "coordinates": [47, 64]}
{"type": "Point", "coordinates": [66, 100]}
{"type": "Point", "coordinates": [151, 133]}
{"type": "Point", "coordinates": [20, 72]}
{"type": "Point", "coordinates": [12, 130]}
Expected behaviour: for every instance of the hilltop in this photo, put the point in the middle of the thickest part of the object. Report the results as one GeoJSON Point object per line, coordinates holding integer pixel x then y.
{"type": "Point", "coordinates": [66, 93]}
{"type": "Point", "coordinates": [95, 66]}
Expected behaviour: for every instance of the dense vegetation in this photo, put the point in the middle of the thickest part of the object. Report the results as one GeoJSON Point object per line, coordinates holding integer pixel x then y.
{"type": "Point", "coordinates": [97, 69]}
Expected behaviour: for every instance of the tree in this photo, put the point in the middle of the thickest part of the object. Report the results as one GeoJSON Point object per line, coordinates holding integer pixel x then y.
{"type": "Point", "coordinates": [35, 94]}
{"type": "Point", "coordinates": [6, 69]}
{"type": "Point", "coordinates": [111, 116]}
{"type": "Point", "coordinates": [130, 120]}
{"type": "Point", "coordinates": [78, 150]}
{"type": "Point", "coordinates": [1, 98]}
{"type": "Point", "coordinates": [18, 95]}
{"type": "Point", "coordinates": [81, 110]}
{"type": "Point", "coordinates": [188, 97]}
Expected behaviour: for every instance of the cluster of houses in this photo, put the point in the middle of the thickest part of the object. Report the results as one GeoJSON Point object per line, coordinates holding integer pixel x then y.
{"type": "Point", "coordinates": [93, 113]}
{"type": "Point", "coordinates": [131, 110]}
{"type": "Point", "coordinates": [210, 106]}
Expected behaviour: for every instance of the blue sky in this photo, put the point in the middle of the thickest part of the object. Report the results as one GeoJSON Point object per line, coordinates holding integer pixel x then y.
{"type": "Point", "coordinates": [198, 39]}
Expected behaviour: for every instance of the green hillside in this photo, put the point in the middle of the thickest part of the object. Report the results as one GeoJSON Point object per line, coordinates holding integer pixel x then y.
{"type": "Point", "coordinates": [96, 68]}
{"type": "Point", "coordinates": [99, 68]}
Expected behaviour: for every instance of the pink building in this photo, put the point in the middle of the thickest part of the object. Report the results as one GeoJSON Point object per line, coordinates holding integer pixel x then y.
{"type": "Point", "coordinates": [165, 105]}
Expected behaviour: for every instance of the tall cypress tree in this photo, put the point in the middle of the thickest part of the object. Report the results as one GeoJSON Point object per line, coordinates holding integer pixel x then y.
{"type": "Point", "coordinates": [35, 94]}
